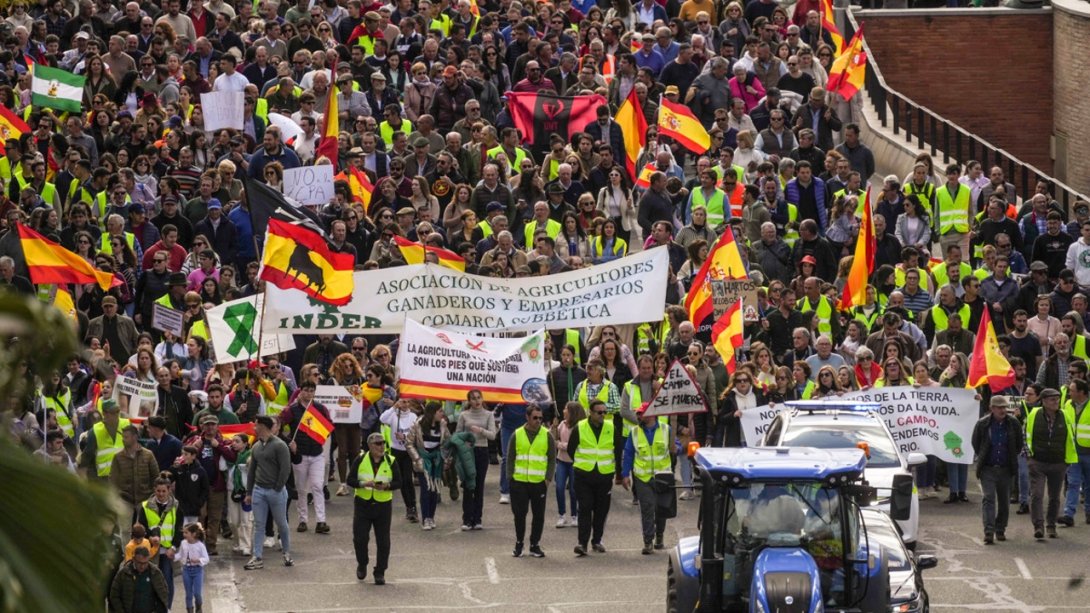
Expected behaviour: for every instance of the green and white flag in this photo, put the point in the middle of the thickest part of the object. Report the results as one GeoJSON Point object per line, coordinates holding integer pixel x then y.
{"type": "Point", "coordinates": [57, 89]}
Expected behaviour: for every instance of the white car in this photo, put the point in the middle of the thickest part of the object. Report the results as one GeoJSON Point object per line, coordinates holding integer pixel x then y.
{"type": "Point", "coordinates": [907, 593]}
{"type": "Point", "coordinates": [828, 425]}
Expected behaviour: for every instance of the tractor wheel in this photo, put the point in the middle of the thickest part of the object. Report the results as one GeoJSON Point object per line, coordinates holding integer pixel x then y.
{"type": "Point", "coordinates": [671, 588]}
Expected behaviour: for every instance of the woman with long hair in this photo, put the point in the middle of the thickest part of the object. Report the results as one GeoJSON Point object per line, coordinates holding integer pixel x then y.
{"type": "Point", "coordinates": [734, 28]}
{"type": "Point", "coordinates": [1043, 324]}
{"type": "Point", "coordinates": [125, 265]}
{"type": "Point", "coordinates": [470, 232]}
{"type": "Point", "coordinates": [379, 394]}
{"type": "Point", "coordinates": [210, 292]}
{"type": "Point", "coordinates": [345, 371]}
{"type": "Point", "coordinates": [845, 378]}
{"type": "Point", "coordinates": [843, 225]}
{"type": "Point", "coordinates": [926, 472]}
{"type": "Point", "coordinates": [501, 74]}
{"type": "Point", "coordinates": [608, 246]}
{"type": "Point", "coordinates": [196, 366]}
{"type": "Point", "coordinates": [761, 358]}
{"type": "Point", "coordinates": [739, 396]}
{"type": "Point", "coordinates": [615, 200]}
{"type": "Point", "coordinates": [957, 475]}
{"type": "Point", "coordinates": [698, 252]}
{"type": "Point", "coordinates": [914, 226]}
{"type": "Point", "coordinates": [273, 172]}
{"type": "Point", "coordinates": [622, 10]}
{"type": "Point", "coordinates": [573, 413]}
{"type": "Point", "coordinates": [458, 205]}
{"type": "Point", "coordinates": [192, 260]}
{"type": "Point", "coordinates": [784, 389]}
{"type": "Point", "coordinates": [565, 376]}
{"type": "Point", "coordinates": [825, 383]}
{"type": "Point", "coordinates": [393, 68]}
{"type": "Point", "coordinates": [616, 370]}
{"type": "Point", "coordinates": [894, 373]}
{"type": "Point", "coordinates": [98, 80]}
{"type": "Point", "coordinates": [854, 338]}
{"type": "Point", "coordinates": [426, 437]}
{"type": "Point", "coordinates": [572, 241]}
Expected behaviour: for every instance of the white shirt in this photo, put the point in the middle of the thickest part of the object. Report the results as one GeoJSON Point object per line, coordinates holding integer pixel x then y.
{"type": "Point", "coordinates": [230, 82]}
{"type": "Point", "coordinates": [400, 422]}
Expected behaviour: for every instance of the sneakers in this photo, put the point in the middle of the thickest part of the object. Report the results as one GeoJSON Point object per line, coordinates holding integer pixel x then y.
{"type": "Point", "coordinates": [989, 538]}
{"type": "Point", "coordinates": [1067, 520]}
{"type": "Point", "coordinates": [963, 498]}
{"type": "Point", "coordinates": [466, 527]}
{"type": "Point", "coordinates": [1023, 509]}
{"type": "Point", "coordinates": [288, 561]}
{"type": "Point", "coordinates": [535, 551]}
{"type": "Point", "coordinates": [646, 548]}
{"type": "Point", "coordinates": [505, 499]}
{"type": "Point", "coordinates": [518, 550]}
{"type": "Point", "coordinates": [302, 527]}
{"type": "Point", "coordinates": [580, 550]}
{"type": "Point", "coordinates": [478, 527]}
{"type": "Point", "coordinates": [270, 541]}
{"type": "Point", "coordinates": [1000, 536]}
{"type": "Point", "coordinates": [1052, 532]}
{"type": "Point", "coordinates": [254, 564]}
{"type": "Point", "coordinates": [410, 514]}
{"type": "Point", "coordinates": [1039, 534]}
{"type": "Point", "coordinates": [427, 524]}
{"type": "Point", "coordinates": [927, 494]}
{"type": "Point", "coordinates": [344, 490]}
{"type": "Point", "coordinates": [686, 495]}
{"type": "Point", "coordinates": [563, 521]}
{"type": "Point", "coordinates": [600, 548]}
{"type": "Point", "coordinates": [321, 528]}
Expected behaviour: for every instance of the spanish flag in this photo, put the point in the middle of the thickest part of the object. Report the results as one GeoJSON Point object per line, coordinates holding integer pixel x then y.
{"type": "Point", "coordinates": [727, 335]}
{"type": "Point", "coordinates": [828, 23]}
{"type": "Point", "coordinates": [62, 301]}
{"type": "Point", "coordinates": [644, 180]}
{"type": "Point", "coordinates": [327, 145]}
{"type": "Point", "coordinates": [848, 71]}
{"type": "Point", "coordinates": [474, 9]}
{"type": "Point", "coordinates": [11, 126]}
{"type": "Point", "coordinates": [48, 262]}
{"type": "Point", "coordinates": [988, 364]}
{"type": "Point", "coordinates": [855, 290]}
{"type": "Point", "coordinates": [414, 254]}
{"type": "Point", "coordinates": [315, 425]}
{"type": "Point", "coordinates": [634, 128]}
{"type": "Point", "coordinates": [230, 430]}
{"type": "Point", "coordinates": [679, 123]}
{"type": "Point", "coordinates": [723, 263]}
{"type": "Point", "coordinates": [298, 256]}
{"type": "Point", "coordinates": [359, 184]}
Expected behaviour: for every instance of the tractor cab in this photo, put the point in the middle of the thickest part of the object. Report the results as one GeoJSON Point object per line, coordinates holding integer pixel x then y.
{"type": "Point", "coordinates": [780, 530]}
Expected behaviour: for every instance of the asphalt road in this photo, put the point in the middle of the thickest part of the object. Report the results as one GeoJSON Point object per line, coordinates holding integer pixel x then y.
{"type": "Point", "coordinates": [448, 570]}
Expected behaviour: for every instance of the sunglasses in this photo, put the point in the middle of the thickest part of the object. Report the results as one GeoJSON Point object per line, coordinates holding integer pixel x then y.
{"type": "Point", "coordinates": [743, 380]}
{"type": "Point", "coordinates": [595, 412]}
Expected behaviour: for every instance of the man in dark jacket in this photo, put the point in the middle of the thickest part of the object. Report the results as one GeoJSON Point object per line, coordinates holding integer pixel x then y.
{"type": "Point", "coordinates": [163, 445]}
{"type": "Point", "coordinates": [190, 485]}
{"type": "Point", "coordinates": [1050, 443]}
{"type": "Point", "coordinates": [819, 117]}
{"type": "Point", "coordinates": [219, 230]}
{"type": "Point", "coordinates": [997, 441]}
{"type": "Point", "coordinates": [448, 105]}
{"type": "Point", "coordinates": [655, 204]}
{"type": "Point", "coordinates": [605, 130]}
{"type": "Point", "coordinates": [139, 586]}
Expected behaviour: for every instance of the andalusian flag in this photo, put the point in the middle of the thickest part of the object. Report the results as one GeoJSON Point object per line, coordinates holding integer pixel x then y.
{"type": "Point", "coordinates": [723, 263]}
{"type": "Point", "coordinates": [298, 256]}
{"type": "Point", "coordinates": [848, 71]}
{"type": "Point", "coordinates": [634, 128]}
{"type": "Point", "coordinates": [57, 89]}
{"type": "Point", "coordinates": [48, 262]}
{"type": "Point", "coordinates": [828, 23]}
{"type": "Point", "coordinates": [988, 364]}
{"type": "Point", "coordinates": [727, 334]}
{"type": "Point", "coordinates": [414, 254]}
{"type": "Point", "coordinates": [315, 425]}
{"type": "Point", "coordinates": [855, 290]}
{"type": "Point", "coordinates": [679, 123]}
{"type": "Point", "coordinates": [327, 144]}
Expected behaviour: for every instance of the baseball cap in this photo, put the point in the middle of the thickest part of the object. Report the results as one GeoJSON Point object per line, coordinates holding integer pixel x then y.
{"type": "Point", "coordinates": [450, 71]}
{"type": "Point", "coordinates": [214, 203]}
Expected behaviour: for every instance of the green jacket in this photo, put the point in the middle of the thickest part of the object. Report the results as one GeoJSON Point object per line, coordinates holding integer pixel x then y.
{"type": "Point", "coordinates": [123, 588]}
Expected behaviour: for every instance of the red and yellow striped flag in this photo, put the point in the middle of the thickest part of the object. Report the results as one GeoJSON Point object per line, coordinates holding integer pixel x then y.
{"type": "Point", "coordinates": [11, 126]}
{"type": "Point", "coordinates": [48, 262]}
{"type": "Point", "coordinates": [679, 123]}
{"type": "Point", "coordinates": [315, 425]}
{"type": "Point", "coordinates": [327, 144]}
{"type": "Point", "coordinates": [644, 180]}
{"type": "Point", "coordinates": [727, 334]}
{"type": "Point", "coordinates": [634, 128]}
{"type": "Point", "coordinates": [988, 364]}
{"type": "Point", "coordinates": [855, 290]}
{"type": "Point", "coordinates": [724, 262]}
{"type": "Point", "coordinates": [297, 256]}
{"type": "Point", "coordinates": [414, 254]}
{"type": "Point", "coordinates": [849, 69]}
{"type": "Point", "coordinates": [359, 185]}
{"type": "Point", "coordinates": [828, 23]}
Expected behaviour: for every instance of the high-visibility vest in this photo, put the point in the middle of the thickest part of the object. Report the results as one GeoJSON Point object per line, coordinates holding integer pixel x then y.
{"type": "Point", "coordinates": [261, 109]}
{"type": "Point", "coordinates": [713, 205]}
{"type": "Point", "coordinates": [367, 41]}
{"type": "Point", "coordinates": [635, 399]}
{"type": "Point", "coordinates": [1070, 455]}
{"type": "Point", "coordinates": [48, 191]}
{"type": "Point", "coordinates": [102, 204]}
{"type": "Point", "coordinates": [941, 320]}
{"type": "Point", "coordinates": [582, 397]}
{"type": "Point", "coordinates": [198, 329]}
{"type": "Point", "coordinates": [486, 228]}
{"type": "Point", "coordinates": [571, 337]}
{"type": "Point", "coordinates": [791, 234]}
{"type": "Point", "coordinates": [739, 172]}
{"type": "Point", "coordinates": [531, 459]}
{"type": "Point", "coordinates": [280, 402]}
{"type": "Point", "coordinates": [808, 390]}
{"type": "Point", "coordinates": [1082, 424]}
{"type": "Point", "coordinates": [554, 168]}
{"type": "Point", "coordinates": [651, 456]}
{"type": "Point", "coordinates": [105, 447]}
{"type": "Point", "coordinates": [824, 310]}
{"type": "Point", "coordinates": [386, 131]}
{"type": "Point", "coordinates": [520, 154]}
{"type": "Point", "coordinates": [60, 405]}
{"type": "Point", "coordinates": [619, 248]}
{"type": "Point", "coordinates": [105, 246]}
{"type": "Point", "coordinates": [860, 315]}
{"type": "Point", "coordinates": [925, 193]}
{"type": "Point", "coordinates": [367, 473]}
{"type": "Point", "coordinates": [552, 229]}
{"type": "Point", "coordinates": [644, 335]}
{"type": "Point", "coordinates": [953, 210]}
{"type": "Point", "coordinates": [943, 278]}
{"type": "Point", "coordinates": [165, 523]}
{"type": "Point", "coordinates": [441, 23]}
{"type": "Point", "coordinates": [925, 279]}
{"type": "Point", "coordinates": [387, 435]}
{"type": "Point", "coordinates": [736, 199]}
{"type": "Point", "coordinates": [5, 169]}
{"type": "Point", "coordinates": [593, 451]}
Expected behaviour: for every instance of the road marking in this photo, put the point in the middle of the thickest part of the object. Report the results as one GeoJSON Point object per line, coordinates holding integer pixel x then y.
{"type": "Point", "coordinates": [490, 568]}
{"type": "Point", "coordinates": [1022, 568]}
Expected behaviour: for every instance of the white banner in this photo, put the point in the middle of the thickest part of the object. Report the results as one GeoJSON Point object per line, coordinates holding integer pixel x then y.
{"type": "Point", "coordinates": [679, 394]}
{"type": "Point", "coordinates": [309, 184]}
{"type": "Point", "coordinates": [137, 398]}
{"type": "Point", "coordinates": [631, 289]}
{"type": "Point", "coordinates": [934, 421]}
{"type": "Point", "coordinates": [234, 329]}
{"type": "Point", "coordinates": [222, 110]}
{"type": "Point", "coordinates": [345, 404]}
{"type": "Point", "coordinates": [442, 365]}
{"type": "Point", "coordinates": [167, 319]}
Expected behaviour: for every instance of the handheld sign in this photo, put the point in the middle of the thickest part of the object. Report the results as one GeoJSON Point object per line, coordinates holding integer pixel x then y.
{"type": "Point", "coordinates": [222, 110]}
{"type": "Point", "coordinates": [309, 184]}
{"type": "Point", "coordinates": [679, 394]}
{"type": "Point", "coordinates": [167, 319]}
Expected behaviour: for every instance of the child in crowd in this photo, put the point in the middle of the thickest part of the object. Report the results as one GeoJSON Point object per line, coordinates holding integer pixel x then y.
{"type": "Point", "coordinates": [138, 539]}
{"type": "Point", "coordinates": [193, 556]}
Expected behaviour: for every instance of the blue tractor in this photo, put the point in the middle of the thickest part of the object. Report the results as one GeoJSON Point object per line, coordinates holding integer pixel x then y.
{"type": "Point", "coordinates": [781, 531]}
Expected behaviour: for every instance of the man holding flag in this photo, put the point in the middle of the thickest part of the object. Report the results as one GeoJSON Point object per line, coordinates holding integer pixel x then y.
{"type": "Point", "coordinates": [310, 425]}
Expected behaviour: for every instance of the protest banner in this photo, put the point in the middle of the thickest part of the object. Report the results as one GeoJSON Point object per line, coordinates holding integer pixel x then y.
{"type": "Point", "coordinates": [309, 184]}
{"type": "Point", "coordinates": [222, 110]}
{"type": "Point", "coordinates": [726, 292]}
{"type": "Point", "coordinates": [167, 319]}
{"type": "Point", "coordinates": [345, 404]}
{"type": "Point", "coordinates": [137, 398]}
{"type": "Point", "coordinates": [679, 393]}
{"type": "Point", "coordinates": [443, 365]}
{"type": "Point", "coordinates": [626, 290]}
{"type": "Point", "coordinates": [234, 328]}
{"type": "Point", "coordinates": [934, 421]}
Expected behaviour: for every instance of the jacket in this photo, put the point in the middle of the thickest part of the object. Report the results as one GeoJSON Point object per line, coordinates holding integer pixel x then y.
{"type": "Point", "coordinates": [134, 476]}
{"type": "Point", "coordinates": [166, 450]}
{"type": "Point", "coordinates": [460, 447]}
{"type": "Point", "coordinates": [982, 443]}
{"type": "Point", "coordinates": [448, 106]}
{"type": "Point", "coordinates": [418, 98]}
{"type": "Point", "coordinates": [123, 588]}
{"type": "Point", "coordinates": [190, 488]}
{"type": "Point", "coordinates": [792, 193]}
{"type": "Point", "coordinates": [224, 238]}
{"type": "Point", "coordinates": [921, 236]}
{"type": "Point", "coordinates": [126, 331]}
{"type": "Point", "coordinates": [825, 127]}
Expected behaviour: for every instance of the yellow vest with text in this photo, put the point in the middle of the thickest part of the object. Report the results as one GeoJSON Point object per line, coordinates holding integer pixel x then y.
{"type": "Point", "coordinates": [531, 458]}
{"type": "Point", "coordinates": [594, 452]}
{"type": "Point", "coordinates": [367, 473]}
{"type": "Point", "coordinates": [105, 447]}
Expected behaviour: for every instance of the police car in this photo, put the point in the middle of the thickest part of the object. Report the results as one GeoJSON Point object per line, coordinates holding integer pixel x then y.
{"type": "Point", "coordinates": [832, 425]}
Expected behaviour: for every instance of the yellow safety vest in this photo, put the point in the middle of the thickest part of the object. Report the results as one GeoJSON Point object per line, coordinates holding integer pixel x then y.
{"type": "Point", "coordinates": [368, 43]}
{"type": "Point", "coordinates": [552, 229]}
{"type": "Point", "coordinates": [808, 390]}
{"type": "Point", "coordinates": [367, 473]}
{"type": "Point", "coordinates": [583, 399]}
{"type": "Point", "coordinates": [386, 131]}
{"type": "Point", "coordinates": [942, 321]}
{"type": "Point", "coordinates": [48, 191]}
{"type": "Point", "coordinates": [824, 313]}
{"type": "Point", "coordinates": [60, 406]}
{"type": "Point", "coordinates": [1070, 455]}
{"type": "Point", "coordinates": [441, 23]}
{"type": "Point", "coordinates": [1082, 426]}
{"type": "Point", "coordinates": [925, 193]}
{"type": "Point", "coordinates": [738, 172]}
{"type": "Point", "coordinates": [531, 459]}
{"type": "Point", "coordinates": [861, 316]}
{"type": "Point", "coordinates": [105, 447]}
{"type": "Point", "coordinates": [275, 406]}
{"type": "Point", "coordinates": [571, 337]}
{"type": "Point", "coordinates": [105, 246]}
{"type": "Point", "coordinates": [953, 210]}
{"type": "Point", "coordinates": [650, 456]}
{"type": "Point", "coordinates": [1078, 347]}
{"type": "Point", "coordinates": [791, 234]}
{"type": "Point", "coordinates": [520, 154]}
{"type": "Point", "coordinates": [554, 168]}
{"type": "Point", "coordinates": [942, 278]}
{"type": "Point", "coordinates": [593, 451]}
{"type": "Point", "coordinates": [635, 399]}
{"type": "Point", "coordinates": [714, 205]}
{"type": "Point", "coordinates": [925, 279]}
{"type": "Point", "coordinates": [618, 249]}
{"type": "Point", "coordinates": [261, 109]}
{"type": "Point", "coordinates": [165, 523]}
{"type": "Point", "coordinates": [198, 329]}
{"type": "Point", "coordinates": [644, 334]}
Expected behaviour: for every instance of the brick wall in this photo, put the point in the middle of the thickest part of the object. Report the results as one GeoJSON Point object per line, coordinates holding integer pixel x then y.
{"type": "Point", "coordinates": [991, 72]}
{"type": "Point", "coordinates": [1072, 74]}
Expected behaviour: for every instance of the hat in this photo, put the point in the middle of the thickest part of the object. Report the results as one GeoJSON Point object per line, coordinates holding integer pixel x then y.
{"type": "Point", "coordinates": [421, 142]}
{"type": "Point", "coordinates": [177, 278]}
{"type": "Point", "coordinates": [376, 437]}
{"type": "Point", "coordinates": [344, 66]}
{"type": "Point", "coordinates": [554, 188]}
{"type": "Point", "coordinates": [1038, 266]}
{"type": "Point", "coordinates": [174, 122]}
{"type": "Point", "coordinates": [110, 406]}
{"type": "Point", "coordinates": [109, 300]}
{"type": "Point", "coordinates": [1067, 274]}
{"type": "Point", "coordinates": [214, 203]}
{"type": "Point", "coordinates": [136, 207]}
{"type": "Point", "coordinates": [809, 259]}
{"type": "Point", "coordinates": [378, 75]}
{"type": "Point", "coordinates": [643, 407]}
{"type": "Point", "coordinates": [494, 206]}
{"type": "Point", "coordinates": [81, 35]}
{"type": "Point", "coordinates": [648, 38]}
{"type": "Point", "coordinates": [450, 71]}
{"type": "Point", "coordinates": [406, 210]}
{"type": "Point", "coordinates": [671, 89]}
{"type": "Point", "coordinates": [999, 401]}
{"type": "Point", "coordinates": [1048, 392]}
{"type": "Point", "coordinates": [355, 151]}
{"type": "Point", "coordinates": [818, 93]}
{"type": "Point", "coordinates": [209, 419]}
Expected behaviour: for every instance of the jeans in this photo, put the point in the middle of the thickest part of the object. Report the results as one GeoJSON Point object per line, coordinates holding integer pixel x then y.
{"type": "Point", "coordinates": [565, 487]}
{"type": "Point", "coordinates": [276, 501]}
{"type": "Point", "coordinates": [310, 478]}
{"type": "Point", "coordinates": [1042, 474]}
{"type": "Point", "coordinates": [193, 581]}
{"type": "Point", "coordinates": [166, 566]}
{"type": "Point", "coordinates": [686, 466]}
{"type": "Point", "coordinates": [473, 499]}
{"type": "Point", "coordinates": [1078, 478]}
{"type": "Point", "coordinates": [925, 473]}
{"type": "Point", "coordinates": [995, 485]}
{"type": "Point", "coordinates": [505, 438]}
{"type": "Point", "coordinates": [1023, 479]}
{"type": "Point", "coordinates": [958, 475]}
{"type": "Point", "coordinates": [528, 497]}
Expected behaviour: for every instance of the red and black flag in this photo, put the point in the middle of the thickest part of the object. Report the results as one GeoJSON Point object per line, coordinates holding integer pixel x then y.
{"type": "Point", "coordinates": [538, 116]}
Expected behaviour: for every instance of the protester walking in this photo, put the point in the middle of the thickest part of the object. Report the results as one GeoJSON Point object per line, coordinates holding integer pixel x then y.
{"type": "Point", "coordinates": [646, 453]}
{"type": "Point", "coordinates": [373, 476]}
{"type": "Point", "coordinates": [594, 447]}
{"type": "Point", "coordinates": [479, 421]}
{"type": "Point", "coordinates": [267, 489]}
{"type": "Point", "coordinates": [308, 456]}
{"type": "Point", "coordinates": [194, 557]}
{"type": "Point", "coordinates": [533, 454]}
{"type": "Point", "coordinates": [997, 441]}
{"type": "Point", "coordinates": [1051, 446]}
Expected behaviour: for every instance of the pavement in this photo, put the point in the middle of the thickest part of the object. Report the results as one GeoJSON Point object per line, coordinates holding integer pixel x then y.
{"type": "Point", "coordinates": [449, 570]}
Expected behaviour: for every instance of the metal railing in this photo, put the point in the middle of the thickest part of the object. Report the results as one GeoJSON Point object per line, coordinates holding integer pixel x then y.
{"type": "Point", "coordinates": [925, 129]}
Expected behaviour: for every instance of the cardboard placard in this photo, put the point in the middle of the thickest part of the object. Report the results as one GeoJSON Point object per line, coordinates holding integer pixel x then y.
{"type": "Point", "coordinates": [345, 404]}
{"type": "Point", "coordinates": [679, 393]}
{"type": "Point", "coordinates": [726, 292]}
{"type": "Point", "coordinates": [222, 110]}
{"type": "Point", "coordinates": [167, 319]}
{"type": "Point", "coordinates": [309, 184]}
